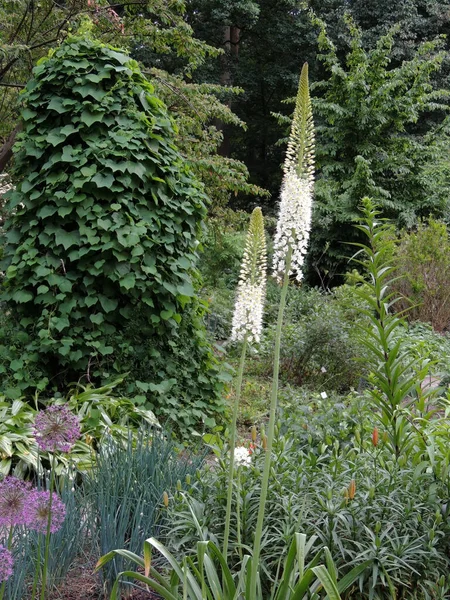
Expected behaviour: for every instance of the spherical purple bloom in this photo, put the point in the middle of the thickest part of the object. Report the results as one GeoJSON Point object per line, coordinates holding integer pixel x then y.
{"type": "Point", "coordinates": [14, 494]}
{"type": "Point", "coordinates": [38, 510]}
{"type": "Point", "coordinates": [6, 564]}
{"type": "Point", "coordinates": [56, 428]}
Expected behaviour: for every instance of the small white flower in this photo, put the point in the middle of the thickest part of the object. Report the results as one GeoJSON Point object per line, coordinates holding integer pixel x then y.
{"type": "Point", "coordinates": [242, 456]}
{"type": "Point", "coordinates": [323, 395]}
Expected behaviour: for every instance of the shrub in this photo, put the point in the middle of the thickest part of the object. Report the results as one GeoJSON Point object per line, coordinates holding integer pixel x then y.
{"type": "Point", "coordinates": [103, 227]}
{"type": "Point", "coordinates": [423, 265]}
{"type": "Point", "coordinates": [320, 347]}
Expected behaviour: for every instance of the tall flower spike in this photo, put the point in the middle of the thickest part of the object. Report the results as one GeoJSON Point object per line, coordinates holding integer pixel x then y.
{"type": "Point", "coordinates": [248, 311]}
{"type": "Point", "coordinates": [294, 221]}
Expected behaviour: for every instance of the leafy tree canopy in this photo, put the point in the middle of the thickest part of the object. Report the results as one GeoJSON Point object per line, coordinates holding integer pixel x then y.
{"type": "Point", "coordinates": [366, 141]}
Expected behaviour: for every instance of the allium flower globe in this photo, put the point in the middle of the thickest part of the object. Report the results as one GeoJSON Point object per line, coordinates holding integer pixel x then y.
{"type": "Point", "coordinates": [56, 429]}
{"type": "Point", "coordinates": [14, 495]}
{"type": "Point", "coordinates": [39, 508]}
{"type": "Point", "coordinates": [6, 564]}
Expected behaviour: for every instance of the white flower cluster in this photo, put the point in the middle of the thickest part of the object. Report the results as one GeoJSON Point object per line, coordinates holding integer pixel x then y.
{"type": "Point", "coordinates": [248, 312]}
{"type": "Point", "coordinates": [294, 224]}
{"type": "Point", "coordinates": [294, 221]}
{"type": "Point", "coordinates": [242, 456]}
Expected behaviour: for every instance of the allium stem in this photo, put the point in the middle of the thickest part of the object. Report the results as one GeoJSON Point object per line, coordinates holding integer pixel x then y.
{"type": "Point", "coordinates": [232, 448]}
{"type": "Point", "coordinates": [270, 432]}
{"type": "Point", "coordinates": [9, 546]}
{"type": "Point", "coordinates": [37, 569]}
{"type": "Point", "coordinates": [48, 533]}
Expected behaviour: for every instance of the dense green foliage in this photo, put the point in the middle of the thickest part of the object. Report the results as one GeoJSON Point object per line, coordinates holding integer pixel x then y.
{"type": "Point", "coordinates": [366, 145]}
{"type": "Point", "coordinates": [101, 244]}
{"type": "Point", "coordinates": [423, 267]}
{"type": "Point", "coordinates": [394, 519]}
{"type": "Point", "coordinates": [124, 491]}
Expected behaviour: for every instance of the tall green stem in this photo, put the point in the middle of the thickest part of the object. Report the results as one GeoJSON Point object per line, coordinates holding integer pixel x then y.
{"type": "Point", "coordinates": [47, 536]}
{"type": "Point", "coordinates": [232, 448]}
{"type": "Point", "coordinates": [270, 433]}
{"type": "Point", "coordinates": [37, 569]}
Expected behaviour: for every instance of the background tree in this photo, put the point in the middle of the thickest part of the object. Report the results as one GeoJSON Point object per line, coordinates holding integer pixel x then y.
{"type": "Point", "coordinates": [368, 144]}
{"type": "Point", "coordinates": [155, 31]}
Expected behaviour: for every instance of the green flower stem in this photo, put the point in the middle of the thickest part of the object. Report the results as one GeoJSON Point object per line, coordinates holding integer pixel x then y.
{"type": "Point", "coordinates": [47, 535]}
{"type": "Point", "coordinates": [238, 512]}
{"type": "Point", "coordinates": [37, 569]}
{"type": "Point", "coordinates": [9, 546]}
{"type": "Point", "coordinates": [232, 448]}
{"type": "Point", "coordinates": [270, 433]}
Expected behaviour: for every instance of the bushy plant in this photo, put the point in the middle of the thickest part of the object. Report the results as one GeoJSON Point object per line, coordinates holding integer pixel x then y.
{"type": "Point", "coordinates": [392, 518]}
{"type": "Point", "coordinates": [320, 347]}
{"type": "Point", "coordinates": [124, 491]}
{"type": "Point", "coordinates": [103, 228]}
{"type": "Point", "coordinates": [423, 268]}
{"type": "Point", "coordinates": [100, 411]}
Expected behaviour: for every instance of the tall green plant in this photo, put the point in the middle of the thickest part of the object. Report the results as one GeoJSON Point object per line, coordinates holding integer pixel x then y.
{"type": "Point", "coordinates": [247, 327]}
{"type": "Point", "coordinates": [395, 377]}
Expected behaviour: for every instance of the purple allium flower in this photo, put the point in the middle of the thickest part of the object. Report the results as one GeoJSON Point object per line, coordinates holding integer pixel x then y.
{"type": "Point", "coordinates": [38, 510]}
{"type": "Point", "coordinates": [56, 428]}
{"type": "Point", "coordinates": [14, 494]}
{"type": "Point", "coordinates": [6, 564]}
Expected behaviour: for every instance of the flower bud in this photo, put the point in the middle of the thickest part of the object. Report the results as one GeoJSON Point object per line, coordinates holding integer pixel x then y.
{"type": "Point", "coordinates": [352, 489]}
{"type": "Point", "coordinates": [254, 433]}
{"type": "Point", "coordinates": [375, 436]}
{"type": "Point", "coordinates": [264, 442]}
{"type": "Point", "coordinates": [179, 485]}
{"type": "Point", "coordinates": [166, 499]}
{"type": "Point", "coordinates": [188, 478]}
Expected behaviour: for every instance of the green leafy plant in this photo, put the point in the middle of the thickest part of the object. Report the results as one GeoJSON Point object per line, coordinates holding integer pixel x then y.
{"type": "Point", "coordinates": [101, 412]}
{"type": "Point", "coordinates": [423, 268]}
{"type": "Point", "coordinates": [394, 521]}
{"type": "Point", "coordinates": [209, 576]}
{"type": "Point", "coordinates": [395, 378]}
{"type": "Point", "coordinates": [124, 490]}
{"type": "Point", "coordinates": [103, 228]}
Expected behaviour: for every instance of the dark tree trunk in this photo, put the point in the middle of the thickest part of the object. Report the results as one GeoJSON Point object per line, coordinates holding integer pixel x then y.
{"type": "Point", "coordinates": [6, 149]}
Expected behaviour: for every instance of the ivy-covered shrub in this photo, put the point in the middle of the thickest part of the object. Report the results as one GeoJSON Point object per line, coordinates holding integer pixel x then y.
{"type": "Point", "coordinates": [104, 227]}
